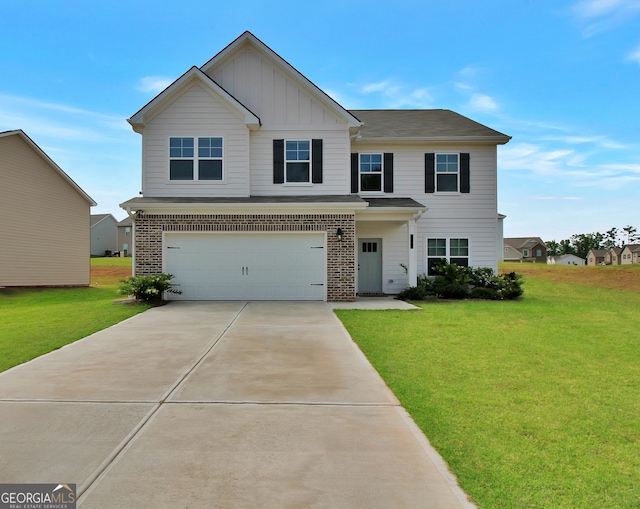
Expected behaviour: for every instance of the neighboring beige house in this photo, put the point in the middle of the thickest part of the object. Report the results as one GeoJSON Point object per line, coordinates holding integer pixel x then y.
{"type": "Point", "coordinates": [44, 230]}
{"type": "Point", "coordinates": [613, 256]}
{"type": "Point", "coordinates": [529, 249]}
{"type": "Point", "coordinates": [566, 259]}
{"type": "Point", "coordinates": [104, 235]}
{"type": "Point", "coordinates": [630, 254]}
{"type": "Point", "coordinates": [596, 256]}
{"type": "Point", "coordinates": [256, 184]}
{"type": "Point", "coordinates": [125, 237]}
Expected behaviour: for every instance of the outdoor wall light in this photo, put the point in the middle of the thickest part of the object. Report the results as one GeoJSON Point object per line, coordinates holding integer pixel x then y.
{"type": "Point", "coordinates": [339, 234]}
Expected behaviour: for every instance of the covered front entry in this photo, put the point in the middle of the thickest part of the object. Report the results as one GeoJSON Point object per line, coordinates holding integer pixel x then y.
{"type": "Point", "coordinates": [246, 266]}
{"type": "Point", "coordinates": [369, 266]}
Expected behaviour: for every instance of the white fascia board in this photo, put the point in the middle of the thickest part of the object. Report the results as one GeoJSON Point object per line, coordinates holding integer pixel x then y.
{"type": "Point", "coordinates": [245, 208]}
{"type": "Point", "coordinates": [139, 119]}
{"type": "Point", "coordinates": [389, 213]}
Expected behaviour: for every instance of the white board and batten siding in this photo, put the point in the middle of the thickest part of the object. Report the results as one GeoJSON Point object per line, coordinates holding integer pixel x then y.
{"type": "Point", "coordinates": [196, 112]}
{"type": "Point", "coordinates": [278, 98]}
{"type": "Point", "coordinates": [246, 266]}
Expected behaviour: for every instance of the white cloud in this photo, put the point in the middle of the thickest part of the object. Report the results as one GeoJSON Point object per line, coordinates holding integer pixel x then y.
{"type": "Point", "coordinates": [154, 84]}
{"type": "Point", "coordinates": [483, 102]}
{"type": "Point", "coordinates": [601, 15]}
{"type": "Point", "coordinates": [395, 94]}
{"type": "Point", "coordinates": [634, 56]}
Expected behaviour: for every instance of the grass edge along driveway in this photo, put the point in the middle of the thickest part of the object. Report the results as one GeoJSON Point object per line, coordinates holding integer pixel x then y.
{"type": "Point", "coordinates": [35, 321]}
{"type": "Point", "coordinates": [532, 403]}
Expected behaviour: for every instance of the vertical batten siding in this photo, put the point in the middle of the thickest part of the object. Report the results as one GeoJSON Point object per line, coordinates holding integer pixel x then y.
{"type": "Point", "coordinates": [45, 222]}
{"type": "Point", "coordinates": [196, 112]}
{"type": "Point", "coordinates": [274, 96]}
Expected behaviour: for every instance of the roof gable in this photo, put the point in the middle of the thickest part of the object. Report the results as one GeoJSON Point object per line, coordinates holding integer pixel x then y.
{"type": "Point", "coordinates": [167, 96]}
{"type": "Point", "coordinates": [20, 133]}
{"type": "Point", "coordinates": [247, 38]}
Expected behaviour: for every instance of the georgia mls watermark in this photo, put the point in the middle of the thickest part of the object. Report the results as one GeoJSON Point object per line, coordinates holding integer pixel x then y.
{"type": "Point", "coordinates": [37, 496]}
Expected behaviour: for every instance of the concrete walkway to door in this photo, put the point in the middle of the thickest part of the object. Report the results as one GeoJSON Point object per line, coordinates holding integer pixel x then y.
{"type": "Point", "coordinates": [225, 404]}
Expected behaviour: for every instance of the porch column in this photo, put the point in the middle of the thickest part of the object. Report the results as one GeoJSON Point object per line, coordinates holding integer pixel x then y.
{"type": "Point", "coordinates": [413, 253]}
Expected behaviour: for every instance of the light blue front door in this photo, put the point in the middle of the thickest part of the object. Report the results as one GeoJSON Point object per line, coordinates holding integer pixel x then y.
{"type": "Point", "coordinates": [369, 265]}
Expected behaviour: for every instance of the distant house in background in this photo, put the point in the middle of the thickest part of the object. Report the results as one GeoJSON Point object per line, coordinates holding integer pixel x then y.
{"type": "Point", "coordinates": [104, 235]}
{"type": "Point", "coordinates": [525, 249]}
{"type": "Point", "coordinates": [511, 254]}
{"type": "Point", "coordinates": [125, 237]}
{"type": "Point", "coordinates": [45, 218]}
{"type": "Point", "coordinates": [566, 259]}
{"type": "Point", "coordinates": [613, 256]}
{"type": "Point", "coordinates": [630, 254]}
{"type": "Point", "coordinates": [596, 256]}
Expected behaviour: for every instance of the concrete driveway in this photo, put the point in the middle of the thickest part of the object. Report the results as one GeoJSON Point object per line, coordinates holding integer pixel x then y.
{"type": "Point", "coordinates": [225, 404]}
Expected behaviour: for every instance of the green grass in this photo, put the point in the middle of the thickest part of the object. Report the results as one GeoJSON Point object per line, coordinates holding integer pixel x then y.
{"type": "Point", "coordinates": [34, 321]}
{"type": "Point", "coordinates": [533, 403]}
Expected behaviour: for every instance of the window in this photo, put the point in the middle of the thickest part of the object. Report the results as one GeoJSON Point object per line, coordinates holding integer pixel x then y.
{"type": "Point", "coordinates": [447, 173]}
{"type": "Point", "coordinates": [370, 172]}
{"type": "Point", "coordinates": [297, 161]}
{"type": "Point", "coordinates": [525, 253]}
{"type": "Point", "coordinates": [127, 231]}
{"type": "Point", "coordinates": [538, 252]}
{"type": "Point", "coordinates": [453, 250]}
{"type": "Point", "coordinates": [185, 163]}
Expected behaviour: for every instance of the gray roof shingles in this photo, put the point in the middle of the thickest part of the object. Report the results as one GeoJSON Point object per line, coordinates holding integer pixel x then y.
{"type": "Point", "coordinates": [423, 125]}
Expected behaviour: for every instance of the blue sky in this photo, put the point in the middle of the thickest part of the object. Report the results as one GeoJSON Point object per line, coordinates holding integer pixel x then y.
{"type": "Point", "coordinates": [561, 77]}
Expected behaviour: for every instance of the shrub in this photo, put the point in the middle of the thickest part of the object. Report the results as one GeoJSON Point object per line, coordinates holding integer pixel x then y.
{"type": "Point", "coordinates": [457, 282]}
{"type": "Point", "coordinates": [147, 288]}
{"type": "Point", "coordinates": [478, 292]}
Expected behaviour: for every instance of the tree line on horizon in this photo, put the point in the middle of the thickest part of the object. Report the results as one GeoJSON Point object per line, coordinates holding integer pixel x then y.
{"type": "Point", "coordinates": [581, 243]}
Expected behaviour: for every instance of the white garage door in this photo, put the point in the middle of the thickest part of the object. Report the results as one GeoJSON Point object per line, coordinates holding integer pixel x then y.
{"type": "Point", "coordinates": [246, 266]}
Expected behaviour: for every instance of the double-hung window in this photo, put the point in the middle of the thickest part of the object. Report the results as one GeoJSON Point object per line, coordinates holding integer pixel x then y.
{"type": "Point", "coordinates": [453, 250]}
{"type": "Point", "coordinates": [195, 158]}
{"type": "Point", "coordinates": [297, 161]}
{"type": "Point", "coordinates": [371, 173]}
{"type": "Point", "coordinates": [447, 171]}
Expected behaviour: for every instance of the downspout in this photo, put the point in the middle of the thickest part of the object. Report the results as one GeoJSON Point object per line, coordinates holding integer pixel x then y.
{"type": "Point", "coordinates": [133, 239]}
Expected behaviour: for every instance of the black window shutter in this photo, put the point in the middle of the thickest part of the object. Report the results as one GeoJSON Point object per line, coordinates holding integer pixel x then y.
{"type": "Point", "coordinates": [316, 161]}
{"type": "Point", "coordinates": [278, 161]}
{"type": "Point", "coordinates": [430, 173]}
{"type": "Point", "coordinates": [388, 173]}
{"type": "Point", "coordinates": [464, 173]}
{"type": "Point", "coordinates": [354, 173]}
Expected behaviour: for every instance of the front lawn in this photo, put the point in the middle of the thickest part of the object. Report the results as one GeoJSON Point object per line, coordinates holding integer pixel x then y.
{"type": "Point", "coordinates": [34, 321]}
{"type": "Point", "coordinates": [532, 403]}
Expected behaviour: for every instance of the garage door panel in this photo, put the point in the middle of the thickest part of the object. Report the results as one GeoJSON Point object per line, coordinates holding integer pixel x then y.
{"type": "Point", "coordinates": [246, 266]}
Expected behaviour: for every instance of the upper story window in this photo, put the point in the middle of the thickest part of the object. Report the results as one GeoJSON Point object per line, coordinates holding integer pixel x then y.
{"type": "Point", "coordinates": [447, 173]}
{"type": "Point", "coordinates": [297, 161]}
{"type": "Point", "coordinates": [371, 174]}
{"type": "Point", "coordinates": [188, 162]}
{"type": "Point", "coordinates": [447, 170]}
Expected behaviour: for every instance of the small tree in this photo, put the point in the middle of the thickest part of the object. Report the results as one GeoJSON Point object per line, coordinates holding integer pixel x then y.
{"type": "Point", "coordinates": [632, 234]}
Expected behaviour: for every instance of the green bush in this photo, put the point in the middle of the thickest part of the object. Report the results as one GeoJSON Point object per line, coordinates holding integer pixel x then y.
{"type": "Point", "coordinates": [147, 288]}
{"type": "Point", "coordinates": [457, 282]}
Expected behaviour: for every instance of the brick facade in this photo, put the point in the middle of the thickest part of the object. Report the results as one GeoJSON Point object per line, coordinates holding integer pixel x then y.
{"type": "Point", "coordinates": [341, 272]}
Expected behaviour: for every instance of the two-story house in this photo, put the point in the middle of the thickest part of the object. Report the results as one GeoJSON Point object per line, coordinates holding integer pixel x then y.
{"type": "Point", "coordinates": [258, 185]}
{"type": "Point", "coordinates": [525, 249]}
